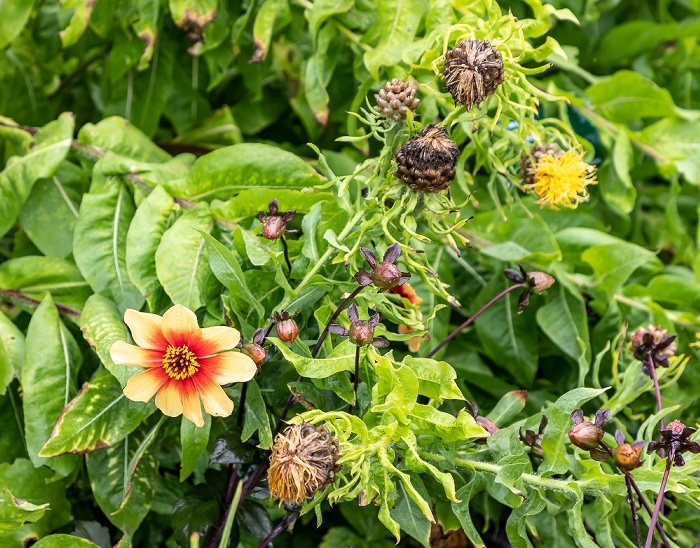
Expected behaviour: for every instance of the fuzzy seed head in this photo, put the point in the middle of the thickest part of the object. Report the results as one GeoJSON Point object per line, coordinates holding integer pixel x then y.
{"type": "Point", "coordinates": [542, 281]}
{"type": "Point", "coordinates": [386, 275]}
{"type": "Point", "coordinates": [427, 161]}
{"type": "Point", "coordinates": [302, 462]}
{"type": "Point", "coordinates": [657, 333]}
{"type": "Point", "coordinates": [473, 70]}
{"type": "Point", "coordinates": [273, 227]}
{"type": "Point", "coordinates": [563, 180]}
{"type": "Point", "coordinates": [395, 99]}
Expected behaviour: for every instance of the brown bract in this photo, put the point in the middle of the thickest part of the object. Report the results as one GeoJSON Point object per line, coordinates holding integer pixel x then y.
{"type": "Point", "coordinates": [303, 461]}
{"type": "Point", "coordinates": [473, 70]}
{"type": "Point", "coordinates": [528, 167]}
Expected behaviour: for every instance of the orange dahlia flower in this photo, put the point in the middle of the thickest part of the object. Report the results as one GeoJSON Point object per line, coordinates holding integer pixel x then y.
{"type": "Point", "coordinates": [183, 363]}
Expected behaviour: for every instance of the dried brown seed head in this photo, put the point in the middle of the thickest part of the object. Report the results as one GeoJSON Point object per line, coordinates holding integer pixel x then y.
{"type": "Point", "coordinates": [473, 70]}
{"type": "Point", "coordinates": [395, 99]}
{"type": "Point", "coordinates": [303, 462]}
{"type": "Point", "coordinates": [427, 161]}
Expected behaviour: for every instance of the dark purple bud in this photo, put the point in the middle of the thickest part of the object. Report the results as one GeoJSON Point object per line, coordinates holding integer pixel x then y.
{"type": "Point", "coordinates": [602, 416]}
{"type": "Point", "coordinates": [543, 424]}
{"type": "Point", "coordinates": [259, 335]}
{"type": "Point", "coordinates": [353, 315]}
{"type": "Point", "coordinates": [524, 299]}
{"type": "Point", "coordinates": [374, 321]}
{"type": "Point", "coordinates": [678, 460]}
{"type": "Point", "coordinates": [486, 424]}
{"type": "Point", "coordinates": [386, 276]}
{"type": "Point", "coordinates": [255, 352]}
{"type": "Point", "coordinates": [665, 343]}
{"type": "Point", "coordinates": [337, 329]}
{"type": "Point", "coordinates": [273, 206]}
{"type": "Point", "coordinates": [577, 416]}
{"type": "Point", "coordinates": [405, 276]}
{"type": "Point", "coordinates": [523, 272]}
{"type": "Point", "coordinates": [472, 408]}
{"type": "Point", "coordinates": [639, 444]}
{"type": "Point", "coordinates": [276, 317]}
{"type": "Point", "coordinates": [369, 257]}
{"type": "Point", "coordinates": [661, 360]}
{"type": "Point", "coordinates": [648, 339]}
{"type": "Point", "coordinates": [378, 342]}
{"type": "Point", "coordinates": [363, 278]}
{"type": "Point", "coordinates": [361, 333]}
{"type": "Point", "coordinates": [655, 446]}
{"type": "Point", "coordinates": [392, 253]}
{"type": "Point", "coordinates": [586, 436]}
{"type": "Point", "coordinates": [288, 215]}
{"type": "Point", "coordinates": [261, 216]}
{"type": "Point", "coordinates": [513, 275]}
{"type": "Point", "coordinates": [693, 447]}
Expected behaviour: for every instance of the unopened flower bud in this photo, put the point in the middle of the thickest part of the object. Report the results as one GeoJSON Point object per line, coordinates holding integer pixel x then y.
{"type": "Point", "coordinates": [273, 227]}
{"type": "Point", "coordinates": [627, 457]}
{"type": "Point", "coordinates": [386, 276]}
{"type": "Point", "coordinates": [361, 333]}
{"type": "Point", "coordinates": [585, 435]}
{"type": "Point", "coordinates": [287, 330]}
{"type": "Point", "coordinates": [541, 281]}
{"type": "Point", "coordinates": [255, 352]}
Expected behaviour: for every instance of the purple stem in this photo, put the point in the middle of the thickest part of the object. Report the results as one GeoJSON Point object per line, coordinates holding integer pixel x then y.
{"type": "Point", "coordinates": [241, 404]}
{"type": "Point", "coordinates": [278, 529]}
{"type": "Point", "coordinates": [334, 317]}
{"type": "Point", "coordinates": [474, 317]}
{"type": "Point", "coordinates": [357, 378]}
{"type": "Point", "coordinates": [286, 253]}
{"type": "Point", "coordinates": [659, 405]}
{"type": "Point", "coordinates": [17, 295]}
{"type": "Point", "coordinates": [659, 499]}
{"type": "Point", "coordinates": [633, 506]}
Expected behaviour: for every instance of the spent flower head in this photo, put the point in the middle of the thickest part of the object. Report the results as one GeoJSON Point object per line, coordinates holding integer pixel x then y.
{"type": "Point", "coordinates": [627, 456]}
{"type": "Point", "coordinates": [587, 435]}
{"type": "Point", "coordinates": [655, 342]}
{"type": "Point", "coordinates": [385, 274]}
{"type": "Point", "coordinates": [273, 225]}
{"type": "Point", "coordinates": [254, 349]}
{"type": "Point", "coordinates": [562, 180]}
{"type": "Point", "coordinates": [534, 440]}
{"type": "Point", "coordinates": [361, 332]}
{"type": "Point", "coordinates": [473, 70]}
{"type": "Point", "coordinates": [286, 327]}
{"type": "Point", "coordinates": [675, 438]}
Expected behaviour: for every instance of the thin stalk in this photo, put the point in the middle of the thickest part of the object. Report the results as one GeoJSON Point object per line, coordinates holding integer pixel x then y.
{"type": "Point", "coordinates": [657, 390]}
{"type": "Point", "coordinates": [633, 507]}
{"type": "Point", "coordinates": [474, 317]}
{"type": "Point", "coordinates": [229, 488]}
{"type": "Point", "coordinates": [226, 535]}
{"type": "Point", "coordinates": [241, 405]}
{"type": "Point", "coordinates": [659, 499]}
{"type": "Point", "coordinates": [287, 407]}
{"type": "Point", "coordinates": [194, 540]}
{"type": "Point", "coordinates": [334, 317]}
{"type": "Point", "coordinates": [286, 254]}
{"type": "Point", "coordinates": [278, 529]}
{"type": "Point", "coordinates": [357, 377]}
{"type": "Point", "coordinates": [17, 295]}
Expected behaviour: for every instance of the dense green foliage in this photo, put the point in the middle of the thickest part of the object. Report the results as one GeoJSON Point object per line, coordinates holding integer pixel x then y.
{"type": "Point", "coordinates": [139, 141]}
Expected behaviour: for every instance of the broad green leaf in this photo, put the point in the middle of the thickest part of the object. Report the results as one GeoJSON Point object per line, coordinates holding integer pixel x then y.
{"type": "Point", "coordinates": [49, 376]}
{"type": "Point", "coordinates": [272, 16]}
{"type": "Point", "coordinates": [99, 416]}
{"type": "Point", "coordinates": [508, 407]}
{"type": "Point", "coordinates": [113, 482]}
{"type": "Point", "coordinates": [256, 419]}
{"type": "Point", "coordinates": [120, 136]}
{"type": "Point", "coordinates": [627, 96]}
{"type": "Point", "coordinates": [409, 516]}
{"type": "Point", "coordinates": [436, 379]}
{"type": "Point", "coordinates": [14, 14]}
{"type": "Point", "coordinates": [309, 225]}
{"type": "Point", "coordinates": [146, 28]}
{"type": "Point", "coordinates": [51, 210]}
{"type": "Point", "coordinates": [103, 325]}
{"type": "Point", "coordinates": [51, 144]}
{"type": "Point", "coordinates": [341, 359]}
{"type": "Point", "coordinates": [517, 524]}
{"type": "Point", "coordinates": [555, 439]}
{"type": "Point", "coordinates": [30, 484]}
{"type": "Point", "coordinates": [64, 541]}
{"type": "Point", "coordinates": [181, 258]}
{"type": "Point", "coordinates": [80, 18]}
{"type": "Point", "coordinates": [194, 442]}
{"type": "Point", "coordinates": [145, 232]}
{"type": "Point", "coordinates": [229, 170]}
{"type": "Point", "coordinates": [614, 264]}
{"type": "Point", "coordinates": [249, 202]}
{"type": "Point", "coordinates": [429, 421]}
{"type": "Point", "coordinates": [225, 267]}
{"type": "Point", "coordinates": [99, 241]}
{"type": "Point", "coordinates": [11, 352]}
{"type": "Point", "coordinates": [16, 512]}
{"type": "Point", "coordinates": [677, 142]}
{"type": "Point", "coordinates": [323, 9]}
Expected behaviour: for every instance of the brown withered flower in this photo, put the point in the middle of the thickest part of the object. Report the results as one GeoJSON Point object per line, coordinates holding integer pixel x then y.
{"type": "Point", "coordinates": [587, 435]}
{"type": "Point", "coordinates": [626, 456]}
{"type": "Point", "coordinates": [273, 225]}
{"type": "Point", "coordinates": [286, 327]}
{"type": "Point", "coordinates": [302, 462]}
{"type": "Point", "coordinates": [361, 332]}
{"type": "Point", "coordinates": [676, 440]}
{"type": "Point", "coordinates": [427, 161]}
{"type": "Point", "coordinates": [528, 168]}
{"type": "Point", "coordinates": [385, 274]}
{"type": "Point", "coordinates": [473, 70]}
{"type": "Point", "coordinates": [254, 349]}
{"type": "Point", "coordinates": [395, 99]}
{"type": "Point", "coordinates": [534, 441]}
{"type": "Point", "coordinates": [537, 282]}
{"type": "Point", "coordinates": [655, 342]}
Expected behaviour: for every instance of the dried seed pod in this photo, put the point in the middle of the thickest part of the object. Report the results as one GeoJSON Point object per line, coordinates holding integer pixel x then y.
{"type": "Point", "coordinates": [528, 170]}
{"type": "Point", "coordinates": [427, 161]}
{"type": "Point", "coordinates": [395, 99]}
{"type": "Point", "coordinates": [473, 70]}
{"type": "Point", "coordinates": [302, 462]}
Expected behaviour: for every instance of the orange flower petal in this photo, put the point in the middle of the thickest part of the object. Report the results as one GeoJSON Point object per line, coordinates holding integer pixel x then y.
{"type": "Point", "coordinates": [215, 400]}
{"type": "Point", "coordinates": [228, 367]}
{"type": "Point", "coordinates": [169, 399]}
{"type": "Point", "coordinates": [146, 329]}
{"type": "Point", "coordinates": [143, 386]}
{"type": "Point", "coordinates": [210, 340]}
{"type": "Point", "coordinates": [179, 323]}
{"type": "Point", "coordinates": [191, 407]}
{"type": "Point", "coordinates": [124, 353]}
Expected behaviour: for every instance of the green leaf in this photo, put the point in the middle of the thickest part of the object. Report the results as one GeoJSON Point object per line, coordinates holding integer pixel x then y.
{"type": "Point", "coordinates": [323, 9]}
{"type": "Point", "coordinates": [181, 258]}
{"type": "Point", "coordinates": [120, 136]}
{"type": "Point", "coordinates": [429, 421]}
{"type": "Point", "coordinates": [248, 203]}
{"type": "Point", "coordinates": [309, 226]}
{"type": "Point", "coordinates": [14, 14]}
{"type": "Point", "coordinates": [123, 489]}
{"type": "Point", "coordinates": [80, 18]}
{"type": "Point", "coordinates": [555, 439]}
{"type": "Point", "coordinates": [272, 15]}
{"type": "Point", "coordinates": [145, 232]}
{"type": "Point", "coordinates": [256, 419]}
{"type": "Point", "coordinates": [194, 442]}
{"type": "Point", "coordinates": [50, 146]}
{"type": "Point", "coordinates": [16, 512]}
{"type": "Point", "coordinates": [517, 524]}
{"type": "Point", "coordinates": [461, 509]}
{"type": "Point", "coordinates": [408, 514]}
{"type": "Point", "coordinates": [256, 250]}
{"type": "Point", "coordinates": [436, 379]}
{"type": "Point", "coordinates": [11, 352]}
{"type": "Point", "coordinates": [614, 264]}
{"type": "Point", "coordinates": [64, 541]}
{"type": "Point", "coordinates": [627, 96]}
{"type": "Point", "coordinates": [48, 381]}
{"type": "Point", "coordinates": [99, 416]}
{"type": "Point", "coordinates": [99, 241]}
{"type": "Point", "coordinates": [677, 142]}
{"type": "Point", "coordinates": [508, 407]}
{"type": "Point", "coordinates": [102, 326]}
{"type": "Point", "coordinates": [229, 170]}
{"type": "Point", "coordinates": [225, 267]}
{"type": "Point", "coordinates": [341, 359]}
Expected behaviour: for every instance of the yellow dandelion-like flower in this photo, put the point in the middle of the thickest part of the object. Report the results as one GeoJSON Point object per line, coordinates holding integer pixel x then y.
{"type": "Point", "coordinates": [563, 180]}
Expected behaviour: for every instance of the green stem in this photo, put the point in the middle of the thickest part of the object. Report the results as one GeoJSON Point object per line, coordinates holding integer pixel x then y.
{"type": "Point", "coordinates": [226, 534]}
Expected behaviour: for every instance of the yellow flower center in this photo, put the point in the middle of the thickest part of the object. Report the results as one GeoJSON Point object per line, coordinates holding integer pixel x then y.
{"type": "Point", "coordinates": [563, 181]}
{"type": "Point", "coordinates": [180, 362]}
